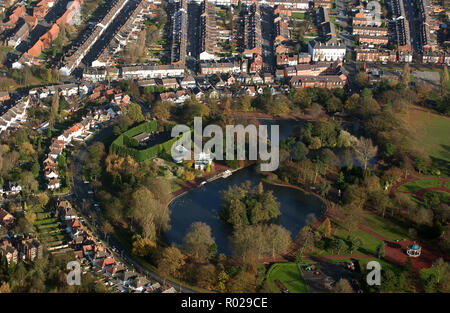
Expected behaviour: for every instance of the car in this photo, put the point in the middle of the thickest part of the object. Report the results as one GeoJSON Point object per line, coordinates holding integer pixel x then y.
{"type": "Point", "coordinates": [86, 182]}
{"type": "Point", "coordinates": [90, 192]}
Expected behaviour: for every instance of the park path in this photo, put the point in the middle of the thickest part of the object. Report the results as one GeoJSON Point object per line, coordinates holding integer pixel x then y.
{"type": "Point", "coordinates": [411, 178]}
{"type": "Point", "coordinates": [419, 194]}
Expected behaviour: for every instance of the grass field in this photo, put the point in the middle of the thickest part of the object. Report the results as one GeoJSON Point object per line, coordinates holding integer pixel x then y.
{"type": "Point", "coordinates": [432, 134]}
{"type": "Point", "coordinates": [415, 186]}
{"type": "Point", "coordinates": [298, 15]}
{"type": "Point", "coordinates": [386, 228]}
{"type": "Point", "coordinates": [289, 275]}
{"type": "Point", "coordinates": [443, 195]}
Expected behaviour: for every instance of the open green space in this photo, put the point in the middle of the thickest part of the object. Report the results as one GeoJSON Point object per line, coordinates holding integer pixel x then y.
{"type": "Point", "coordinates": [386, 228]}
{"type": "Point", "coordinates": [298, 15]}
{"type": "Point", "coordinates": [289, 275]}
{"type": "Point", "coordinates": [432, 135]}
{"type": "Point", "coordinates": [415, 186]}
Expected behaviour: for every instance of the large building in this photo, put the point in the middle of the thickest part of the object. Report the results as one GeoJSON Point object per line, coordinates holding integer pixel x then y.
{"type": "Point", "coordinates": [326, 51]}
{"type": "Point", "coordinates": [208, 31]}
{"type": "Point", "coordinates": [179, 33]}
{"type": "Point", "coordinates": [252, 38]}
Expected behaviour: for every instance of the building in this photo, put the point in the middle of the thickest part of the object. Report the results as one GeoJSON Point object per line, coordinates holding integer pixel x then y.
{"type": "Point", "coordinates": [30, 248]}
{"type": "Point", "coordinates": [11, 254]}
{"type": "Point", "coordinates": [209, 68]}
{"type": "Point", "coordinates": [179, 33]}
{"type": "Point", "coordinates": [208, 31]}
{"type": "Point", "coordinates": [375, 55]}
{"type": "Point", "coordinates": [6, 219]}
{"type": "Point", "coordinates": [152, 71]}
{"type": "Point", "coordinates": [326, 51]}
{"type": "Point", "coordinates": [251, 34]}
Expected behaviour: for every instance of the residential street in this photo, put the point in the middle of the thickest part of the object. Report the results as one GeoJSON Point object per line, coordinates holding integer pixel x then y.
{"type": "Point", "coordinates": [80, 192]}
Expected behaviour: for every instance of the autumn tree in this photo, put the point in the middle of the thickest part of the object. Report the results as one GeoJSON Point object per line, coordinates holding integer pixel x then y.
{"type": "Point", "coordinates": [327, 224]}
{"type": "Point", "coordinates": [142, 246]}
{"type": "Point", "coordinates": [171, 262]}
{"type": "Point", "coordinates": [54, 110]}
{"type": "Point", "coordinates": [134, 112]}
{"type": "Point", "coordinates": [198, 242]}
{"type": "Point", "coordinates": [444, 81]}
{"type": "Point", "coordinates": [406, 75]}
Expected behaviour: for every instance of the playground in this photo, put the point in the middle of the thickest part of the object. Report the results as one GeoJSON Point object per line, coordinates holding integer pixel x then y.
{"type": "Point", "coordinates": [322, 277]}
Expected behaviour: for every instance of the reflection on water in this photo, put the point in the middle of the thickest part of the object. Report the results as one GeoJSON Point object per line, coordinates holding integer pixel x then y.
{"type": "Point", "coordinates": [203, 204]}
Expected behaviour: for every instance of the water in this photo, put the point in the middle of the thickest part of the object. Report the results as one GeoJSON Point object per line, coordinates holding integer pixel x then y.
{"type": "Point", "coordinates": [204, 204]}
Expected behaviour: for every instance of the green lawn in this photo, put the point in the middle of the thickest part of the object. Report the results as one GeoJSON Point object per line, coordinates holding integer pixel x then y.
{"type": "Point", "coordinates": [386, 228]}
{"type": "Point", "coordinates": [289, 275]}
{"type": "Point", "coordinates": [432, 135]}
{"type": "Point", "coordinates": [415, 186]}
{"type": "Point", "coordinates": [298, 15]}
{"type": "Point", "coordinates": [443, 195]}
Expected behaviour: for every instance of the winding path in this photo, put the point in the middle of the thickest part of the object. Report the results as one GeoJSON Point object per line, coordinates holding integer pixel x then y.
{"type": "Point", "coordinates": [419, 194]}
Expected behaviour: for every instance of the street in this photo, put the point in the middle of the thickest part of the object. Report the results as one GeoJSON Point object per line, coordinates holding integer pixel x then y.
{"type": "Point", "coordinates": [80, 191]}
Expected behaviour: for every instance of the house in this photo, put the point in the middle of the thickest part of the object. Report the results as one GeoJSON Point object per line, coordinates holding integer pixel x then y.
{"type": "Point", "coordinates": [140, 283]}
{"type": "Point", "coordinates": [51, 174]}
{"type": "Point", "coordinates": [65, 211]}
{"type": "Point", "coordinates": [155, 288]}
{"type": "Point", "coordinates": [268, 78]}
{"type": "Point", "coordinates": [9, 252]}
{"type": "Point", "coordinates": [170, 83]}
{"type": "Point", "coordinates": [11, 188]}
{"type": "Point", "coordinates": [126, 277]}
{"type": "Point", "coordinates": [30, 248]}
{"type": "Point", "coordinates": [4, 96]}
{"type": "Point", "coordinates": [54, 184]}
{"type": "Point", "coordinates": [6, 219]}
{"type": "Point", "coordinates": [188, 82]}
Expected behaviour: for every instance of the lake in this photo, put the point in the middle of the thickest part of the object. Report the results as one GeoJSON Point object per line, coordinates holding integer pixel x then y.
{"type": "Point", "coordinates": [203, 204]}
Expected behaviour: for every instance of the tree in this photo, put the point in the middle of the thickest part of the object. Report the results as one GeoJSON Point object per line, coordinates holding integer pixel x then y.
{"type": "Point", "coordinates": [54, 110]}
{"type": "Point", "coordinates": [444, 81]}
{"type": "Point", "coordinates": [380, 251]}
{"type": "Point", "coordinates": [327, 224]}
{"type": "Point", "coordinates": [298, 256]}
{"type": "Point", "coordinates": [171, 262]}
{"type": "Point", "coordinates": [4, 288]}
{"type": "Point", "coordinates": [365, 151]}
{"type": "Point", "coordinates": [142, 246]}
{"type": "Point", "coordinates": [339, 245]}
{"type": "Point", "coordinates": [198, 241]}
{"type": "Point", "coordinates": [134, 112]}
{"type": "Point", "coordinates": [406, 75]}
{"type": "Point", "coordinates": [343, 286]}
{"type": "Point", "coordinates": [300, 151]}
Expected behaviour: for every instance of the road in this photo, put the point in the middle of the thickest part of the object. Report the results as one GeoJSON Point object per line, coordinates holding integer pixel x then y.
{"type": "Point", "coordinates": [80, 192]}
{"type": "Point", "coordinates": [110, 32]}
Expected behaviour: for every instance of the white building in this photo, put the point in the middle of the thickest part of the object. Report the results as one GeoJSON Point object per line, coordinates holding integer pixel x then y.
{"type": "Point", "coordinates": [326, 51]}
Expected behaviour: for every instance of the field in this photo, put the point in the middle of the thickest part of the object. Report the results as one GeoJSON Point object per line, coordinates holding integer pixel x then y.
{"type": "Point", "coordinates": [298, 15]}
{"type": "Point", "coordinates": [386, 228]}
{"type": "Point", "coordinates": [415, 186]}
{"type": "Point", "coordinates": [289, 275]}
{"type": "Point", "coordinates": [432, 134]}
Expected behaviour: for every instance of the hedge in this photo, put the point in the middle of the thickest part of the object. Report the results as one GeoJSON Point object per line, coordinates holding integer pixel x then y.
{"type": "Point", "coordinates": [120, 146]}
